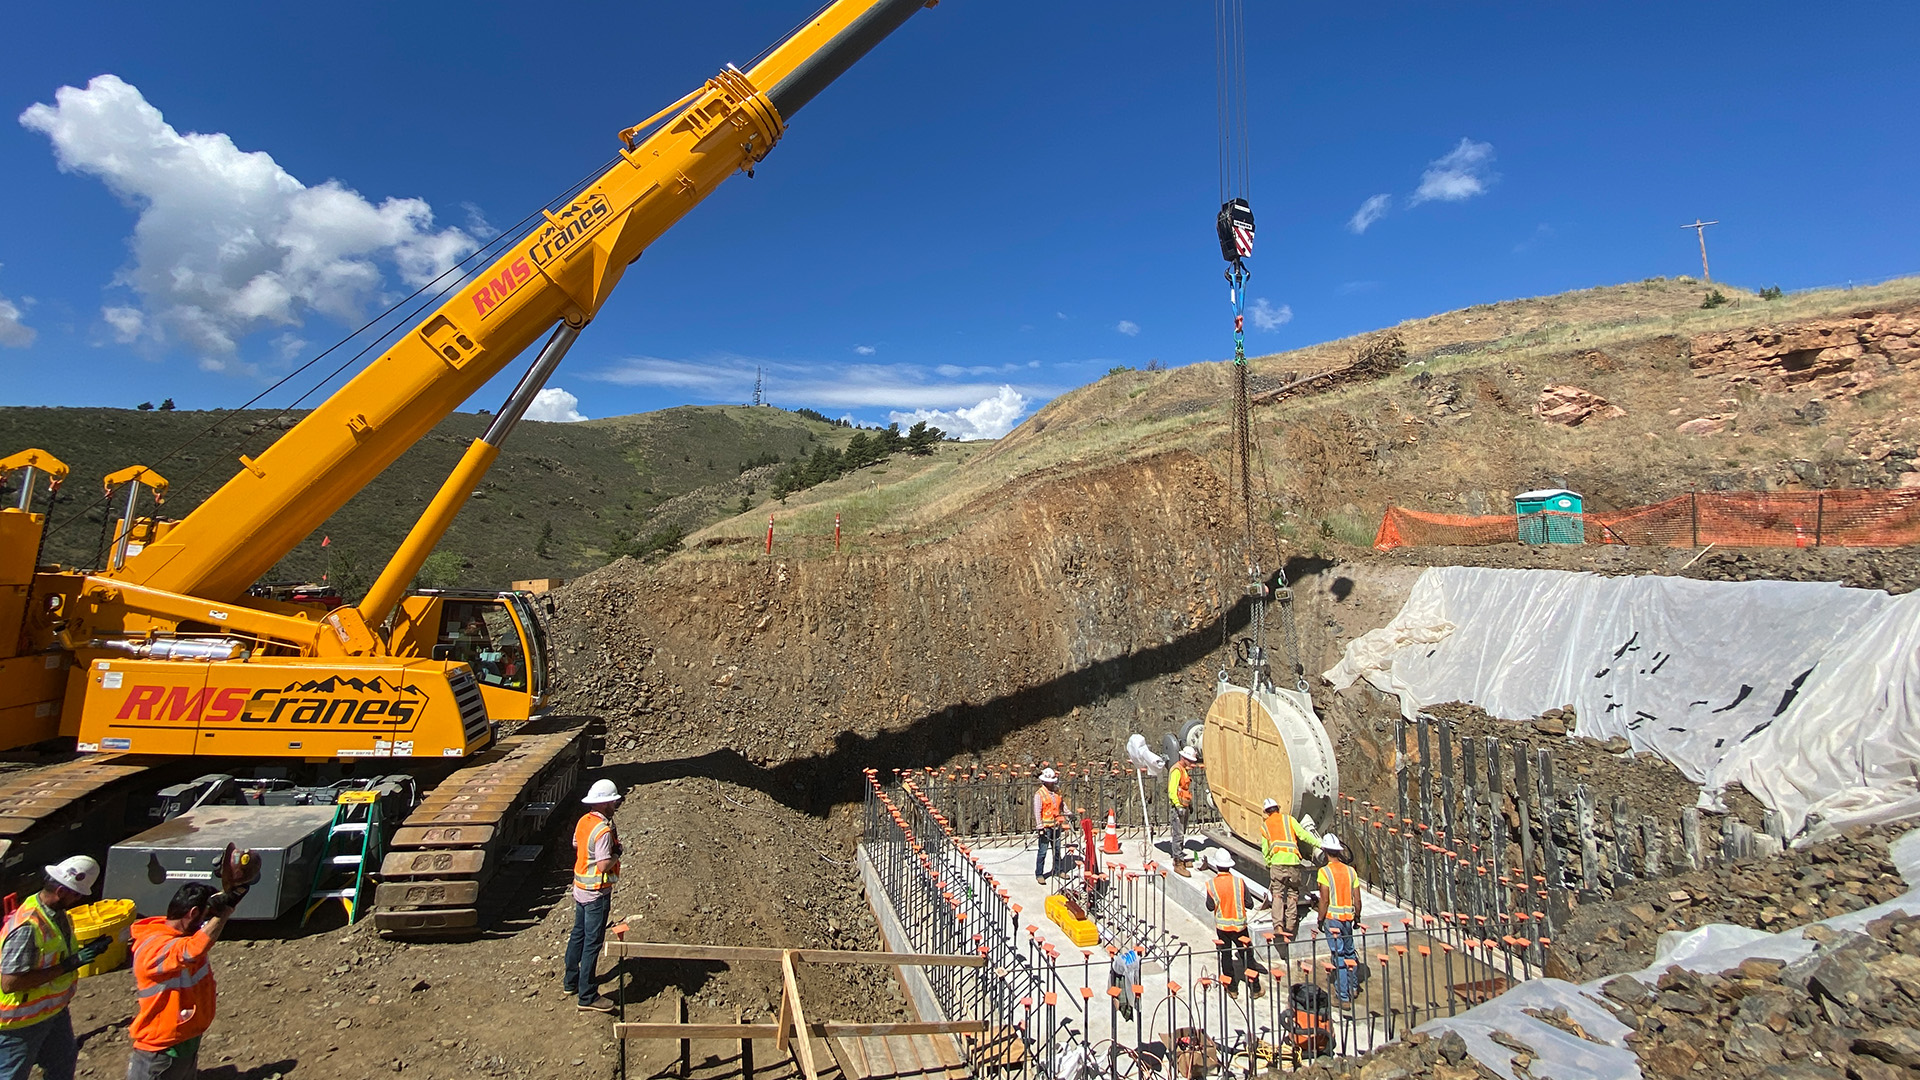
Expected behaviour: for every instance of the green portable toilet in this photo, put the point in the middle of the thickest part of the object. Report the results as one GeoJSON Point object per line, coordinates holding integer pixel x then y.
{"type": "Point", "coordinates": [1550, 516]}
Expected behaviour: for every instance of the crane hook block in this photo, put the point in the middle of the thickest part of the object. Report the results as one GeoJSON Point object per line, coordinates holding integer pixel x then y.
{"type": "Point", "coordinates": [1235, 225]}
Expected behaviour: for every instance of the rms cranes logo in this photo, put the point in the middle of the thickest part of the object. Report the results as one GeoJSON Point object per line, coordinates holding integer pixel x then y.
{"type": "Point", "coordinates": [495, 289]}
{"type": "Point", "coordinates": [563, 231]}
{"type": "Point", "coordinates": [569, 227]}
{"type": "Point", "coordinates": [336, 699]}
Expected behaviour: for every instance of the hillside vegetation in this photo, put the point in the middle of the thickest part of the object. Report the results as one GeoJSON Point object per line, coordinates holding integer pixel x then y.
{"type": "Point", "coordinates": [1453, 429]}
{"type": "Point", "coordinates": [562, 499]}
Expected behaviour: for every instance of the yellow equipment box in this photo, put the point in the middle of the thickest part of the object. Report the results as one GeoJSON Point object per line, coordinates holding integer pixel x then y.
{"type": "Point", "coordinates": [90, 921]}
{"type": "Point", "coordinates": [1080, 929]}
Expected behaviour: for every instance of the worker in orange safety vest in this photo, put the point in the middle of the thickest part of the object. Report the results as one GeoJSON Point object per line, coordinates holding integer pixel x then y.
{"type": "Point", "coordinates": [1180, 800]}
{"type": "Point", "coordinates": [173, 985]}
{"type": "Point", "coordinates": [596, 867]}
{"type": "Point", "coordinates": [1227, 894]}
{"type": "Point", "coordinates": [1339, 913]}
{"type": "Point", "coordinates": [1049, 814]}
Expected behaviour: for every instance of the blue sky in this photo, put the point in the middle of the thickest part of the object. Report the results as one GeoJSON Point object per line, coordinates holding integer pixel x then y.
{"type": "Point", "coordinates": [1000, 203]}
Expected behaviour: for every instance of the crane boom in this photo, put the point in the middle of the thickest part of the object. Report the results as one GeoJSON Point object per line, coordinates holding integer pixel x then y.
{"type": "Point", "coordinates": [561, 272]}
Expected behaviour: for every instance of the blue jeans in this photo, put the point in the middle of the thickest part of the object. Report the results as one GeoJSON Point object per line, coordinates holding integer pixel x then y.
{"type": "Point", "coordinates": [48, 1044]}
{"type": "Point", "coordinates": [1340, 948]}
{"type": "Point", "coordinates": [1049, 840]}
{"type": "Point", "coordinates": [583, 947]}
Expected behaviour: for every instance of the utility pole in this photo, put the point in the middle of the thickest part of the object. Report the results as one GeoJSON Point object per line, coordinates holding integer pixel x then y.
{"type": "Point", "coordinates": [1700, 227]}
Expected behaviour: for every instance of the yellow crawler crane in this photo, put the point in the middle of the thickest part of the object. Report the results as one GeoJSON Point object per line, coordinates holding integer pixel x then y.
{"type": "Point", "coordinates": [163, 654]}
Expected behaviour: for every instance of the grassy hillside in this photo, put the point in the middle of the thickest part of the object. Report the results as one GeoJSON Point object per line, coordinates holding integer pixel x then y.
{"type": "Point", "coordinates": [1453, 430]}
{"type": "Point", "coordinates": [593, 485]}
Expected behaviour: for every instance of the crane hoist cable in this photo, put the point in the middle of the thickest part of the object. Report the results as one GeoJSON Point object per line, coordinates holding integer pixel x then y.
{"type": "Point", "coordinates": [1234, 228]}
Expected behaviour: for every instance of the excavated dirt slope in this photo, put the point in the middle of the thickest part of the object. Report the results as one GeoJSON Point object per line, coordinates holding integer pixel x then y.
{"type": "Point", "coordinates": [1041, 599]}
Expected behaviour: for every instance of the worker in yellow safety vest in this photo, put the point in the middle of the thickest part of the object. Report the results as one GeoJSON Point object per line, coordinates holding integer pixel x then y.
{"type": "Point", "coordinates": [1049, 815]}
{"type": "Point", "coordinates": [1281, 835]}
{"type": "Point", "coordinates": [38, 961]}
{"type": "Point", "coordinates": [1339, 913]}
{"type": "Point", "coordinates": [1180, 799]}
{"type": "Point", "coordinates": [1227, 894]}
{"type": "Point", "coordinates": [596, 866]}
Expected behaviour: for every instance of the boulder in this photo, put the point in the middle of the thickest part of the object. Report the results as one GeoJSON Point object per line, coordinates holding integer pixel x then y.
{"type": "Point", "coordinates": [1893, 1045]}
{"type": "Point", "coordinates": [1561, 403]}
{"type": "Point", "coordinates": [1705, 425]}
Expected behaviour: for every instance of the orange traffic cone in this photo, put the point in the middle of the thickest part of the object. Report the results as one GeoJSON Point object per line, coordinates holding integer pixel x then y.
{"type": "Point", "coordinates": [1110, 839]}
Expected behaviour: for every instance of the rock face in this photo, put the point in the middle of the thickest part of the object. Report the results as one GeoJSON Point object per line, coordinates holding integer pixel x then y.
{"type": "Point", "coordinates": [1561, 403]}
{"type": "Point", "coordinates": [1833, 357]}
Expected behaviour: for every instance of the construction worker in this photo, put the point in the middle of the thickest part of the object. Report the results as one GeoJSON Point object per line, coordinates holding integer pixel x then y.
{"type": "Point", "coordinates": [1049, 813]}
{"type": "Point", "coordinates": [173, 981]}
{"type": "Point", "coordinates": [1227, 894]}
{"type": "Point", "coordinates": [38, 959]}
{"type": "Point", "coordinates": [1180, 796]}
{"type": "Point", "coordinates": [596, 866]}
{"type": "Point", "coordinates": [1339, 913]}
{"type": "Point", "coordinates": [1280, 837]}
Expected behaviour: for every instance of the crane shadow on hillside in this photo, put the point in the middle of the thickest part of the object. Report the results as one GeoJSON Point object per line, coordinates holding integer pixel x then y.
{"type": "Point", "coordinates": [818, 783]}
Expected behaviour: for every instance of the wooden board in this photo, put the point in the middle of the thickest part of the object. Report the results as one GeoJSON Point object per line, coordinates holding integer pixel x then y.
{"type": "Point", "coordinates": [898, 1057]}
{"type": "Point", "coordinates": [1246, 762]}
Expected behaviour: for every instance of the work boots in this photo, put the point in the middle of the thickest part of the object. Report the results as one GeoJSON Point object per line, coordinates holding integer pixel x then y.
{"type": "Point", "coordinates": [1180, 867]}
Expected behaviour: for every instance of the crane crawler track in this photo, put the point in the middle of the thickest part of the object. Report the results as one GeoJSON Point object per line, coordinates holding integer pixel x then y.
{"type": "Point", "coordinates": [434, 878]}
{"type": "Point", "coordinates": [75, 807]}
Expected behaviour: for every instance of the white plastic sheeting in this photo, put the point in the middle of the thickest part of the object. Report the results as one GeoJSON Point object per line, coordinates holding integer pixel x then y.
{"type": "Point", "coordinates": [1710, 949]}
{"type": "Point", "coordinates": [1805, 692]}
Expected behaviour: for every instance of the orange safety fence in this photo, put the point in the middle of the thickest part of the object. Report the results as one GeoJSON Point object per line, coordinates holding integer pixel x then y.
{"type": "Point", "coordinates": [1842, 518]}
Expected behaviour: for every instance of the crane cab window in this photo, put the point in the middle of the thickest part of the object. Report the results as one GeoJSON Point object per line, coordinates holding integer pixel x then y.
{"type": "Point", "coordinates": [482, 634]}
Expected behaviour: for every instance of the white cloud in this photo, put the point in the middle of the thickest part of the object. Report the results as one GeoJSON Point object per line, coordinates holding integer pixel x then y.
{"type": "Point", "coordinates": [14, 333]}
{"type": "Point", "coordinates": [1129, 328]}
{"type": "Point", "coordinates": [1465, 171]}
{"type": "Point", "coordinates": [1268, 317]}
{"type": "Point", "coordinates": [1542, 233]}
{"type": "Point", "coordinates": [227, 242]}
{"type": "Point", "coordinates": [555, 406]}
{"type": "Point", "coordinates": [1370, 211]}
{"type": "Point", "coordinates": [822, 386]}
{"type": "Point", "coordinates": [126, 323]}
{"type": "Point", "coordinates": [721, 378]}
{"type": "Point", "coordinates": [864, 350]}
{"type": "Point", "coordinates": [990, 419]}
{"type": "Point", "coordinates": [289, 346]}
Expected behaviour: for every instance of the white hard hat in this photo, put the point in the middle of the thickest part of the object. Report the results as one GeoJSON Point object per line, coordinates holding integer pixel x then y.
{"type": "Point", "coordinates": [1221, 858]}
{"type": "Point", "coordinates": [78, 873]}
{"type": "Point", "coordinates": [1330, 842]}
{"type": "Point", "coordinates": [1190, 753]}
{"type": "Point", "coordinates": [1048, 776]}
{"type": "Point", "coordinates": [1271, 805]}
{"type": "Point", "coordinates": [602, 791]}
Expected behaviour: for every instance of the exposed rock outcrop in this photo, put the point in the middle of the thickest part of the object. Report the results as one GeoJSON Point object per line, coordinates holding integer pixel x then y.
{"type": "Point", "coordinates": [1837, 356]}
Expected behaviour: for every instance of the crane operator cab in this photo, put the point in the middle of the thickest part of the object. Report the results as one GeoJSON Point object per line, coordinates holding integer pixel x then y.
{"type": "Point", "coordinates": [497, 634]}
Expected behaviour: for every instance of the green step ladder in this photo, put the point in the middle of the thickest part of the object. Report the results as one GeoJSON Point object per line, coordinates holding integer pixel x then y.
{"type": "Point", "coordinates": [354, 847]}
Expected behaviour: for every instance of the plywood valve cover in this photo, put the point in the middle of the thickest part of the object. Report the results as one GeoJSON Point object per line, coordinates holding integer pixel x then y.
{"type": "Point", "coordinates": [1265, 745]}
